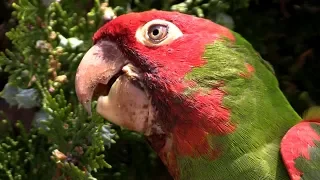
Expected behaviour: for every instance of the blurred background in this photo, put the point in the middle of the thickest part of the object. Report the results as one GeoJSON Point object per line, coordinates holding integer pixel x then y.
{"type": "Point", "coordinates": [46, 134]}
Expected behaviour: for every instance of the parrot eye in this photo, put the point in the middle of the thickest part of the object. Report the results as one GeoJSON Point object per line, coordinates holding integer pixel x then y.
{"type": "Point", "coordinates": [157, 33]}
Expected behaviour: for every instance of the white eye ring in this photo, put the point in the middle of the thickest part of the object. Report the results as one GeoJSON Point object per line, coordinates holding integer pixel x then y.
{"type": "Point", "coordinates": [157, 33]}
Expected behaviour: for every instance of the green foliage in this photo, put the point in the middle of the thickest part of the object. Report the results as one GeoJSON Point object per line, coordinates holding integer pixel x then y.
{"type": "Point", "coordinates": [23, 156]}
{"type": "Point", "coordinates": [48, 43]}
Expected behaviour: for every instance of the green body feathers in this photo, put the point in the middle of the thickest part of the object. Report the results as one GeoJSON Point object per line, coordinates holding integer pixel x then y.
{"type": "Point", "coordinates": [259, 110]}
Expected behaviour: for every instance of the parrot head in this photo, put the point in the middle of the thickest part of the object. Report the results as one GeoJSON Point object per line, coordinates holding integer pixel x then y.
{"type": "Point", "coordinates": [164, 74]}
{"type": "Point", "coordinates": [138, 66]}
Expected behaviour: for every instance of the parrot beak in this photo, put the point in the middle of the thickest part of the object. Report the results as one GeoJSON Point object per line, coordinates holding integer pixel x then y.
{"type": "Point", "coordinates": [102, 62]}
{"type": "Point", "coordinates": [107, 74]}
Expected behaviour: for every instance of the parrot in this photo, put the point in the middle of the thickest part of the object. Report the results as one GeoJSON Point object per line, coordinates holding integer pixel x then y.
{"type": "Point", "coordinates": [205, 100]}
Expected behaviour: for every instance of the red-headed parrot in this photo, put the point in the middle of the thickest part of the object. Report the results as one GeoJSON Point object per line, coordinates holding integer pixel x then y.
{"type": "Point", "coordinates": [207, 103]}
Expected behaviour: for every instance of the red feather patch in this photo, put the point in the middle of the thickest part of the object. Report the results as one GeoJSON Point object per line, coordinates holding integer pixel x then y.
{"type": "Point", "coordinates": [296, 143]}
{"type": "Point", "coordinates": [190, 134]}
{"type": "Point", "coordinates": [250, 70]}
{"type": "Point", "coordinates": [191, 137]}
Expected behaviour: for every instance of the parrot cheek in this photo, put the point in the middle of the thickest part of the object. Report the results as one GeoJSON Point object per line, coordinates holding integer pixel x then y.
{"type": "Point", "coordinates": [127, 105]}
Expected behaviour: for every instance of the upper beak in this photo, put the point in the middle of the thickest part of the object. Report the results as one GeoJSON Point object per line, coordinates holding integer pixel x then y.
{"type": "Point", "coordinates": [102, 61]}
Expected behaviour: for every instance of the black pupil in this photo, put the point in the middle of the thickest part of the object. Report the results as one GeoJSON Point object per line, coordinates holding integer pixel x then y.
{"type": "Point", "coordinates": [155, 32]}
